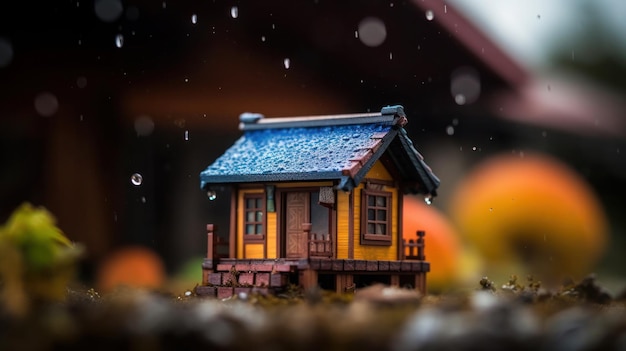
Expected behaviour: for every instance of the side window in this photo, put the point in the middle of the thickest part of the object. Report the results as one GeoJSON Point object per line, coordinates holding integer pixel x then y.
{"type": "Point", "coordinates": [375, 217]}
{"type": "Point", "coordinates": [254, 216]}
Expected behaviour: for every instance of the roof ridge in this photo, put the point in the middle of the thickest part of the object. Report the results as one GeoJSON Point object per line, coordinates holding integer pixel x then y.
{"type": "Point", "coordinates": [389, 115]}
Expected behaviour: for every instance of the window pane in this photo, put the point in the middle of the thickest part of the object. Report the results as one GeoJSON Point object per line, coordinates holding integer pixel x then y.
{"type": "Point", "coordinates": [250, 229]}
{"type": "Point", "coordinates": [259, 216]}
{"type": "Point", "coordinates": [371, 200]}
{"type": "Point", "coordinates": [249, 216]}
{"type": "Point", "coordinates": [371, 228]}
{"type": "Point", "coordinates": [249, 203]}
{"type": "Point", "coordinates": [381, 215]}
{"type": "Point", "coordinates": [381, 201]}
{"type": "Point", "coordinates": [381, 229]}
{"type": "Point", "coordinates": [371, 215]}
{"type": "Point", "coordinates": [259, 229]}
{"type": "Point", "coordinates": [259, 203]}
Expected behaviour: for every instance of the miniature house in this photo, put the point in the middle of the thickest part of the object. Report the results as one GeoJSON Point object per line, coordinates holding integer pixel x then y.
{"type": "Point", "coordinates": [317, 201]}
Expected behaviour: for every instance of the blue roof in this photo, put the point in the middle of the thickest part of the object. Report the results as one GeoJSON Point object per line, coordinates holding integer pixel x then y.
{"type": "Point", "coordinates": [294, 153]}
{"type": "Point", "coordinates": [342, 148]}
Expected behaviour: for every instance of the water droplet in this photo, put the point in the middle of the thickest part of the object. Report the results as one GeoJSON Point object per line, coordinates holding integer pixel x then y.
{"type": "Point", "coordinates": [287, 63]}
{"type": "Point", "coordinates": [455, 121]}
{"type": "Point", "coordinates": [108, 10]}
{"type": "Point", "coordinates": [371, 31]}
{"type": "Point", "coordinates": [164, 5]}
{"type": "Point", "coordinates": [445, 8]}
{"type": "Point", "coordinates": [46, 104]}
{"type": "Point", "coordinates": [450, 130]}
{"type": "Point", "coordinates": [263, 38]}
{"type": "Point", "coordinates": [144, 125]}
{"type": "Point", "coordinates": [194, 18]}
{"type": "Point", "coordinates": [186, 135]}
{"type": "Point", "coordinates": [234, 12]}
{"type": "Point", "coordinates": [538, 16]}
{"type": "Point", "coordinates": [544, 134]}
{"type": "Point", "coordinates": [391, 56]}
{"type": "Point", "coordinates": [549, 88]}
{"type": "Point", "coordinates": [186, 80]}
{"type": "Point", "coordinates": [6, 52]}
{"type": "Point", "coordinates": [81, 82]}
{"type": "Point", "coordinates": [428, 199]}
{"type": "Point", "coordinates": [430, 15]}
{"type": "Point", "coordinates": [490, 209]}
{"type": "Point", "coordinates": [212, 195]}
{"type": "Point", "coordinates": [473, 148]}
{"type": "Point", "coordinates": [119, 41]}
{"type": "Point", "coordinates": [143, 199]}
{"type": "Point", "coordinates": [136, 179]}
{"type": "Point", "coordinates": [459, 99]}
{"type": "Point", "coordinates": [465, 85]}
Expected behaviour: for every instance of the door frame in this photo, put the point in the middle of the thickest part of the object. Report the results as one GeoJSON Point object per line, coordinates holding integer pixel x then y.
{"type": "Point", "coordinates": [280, 220]}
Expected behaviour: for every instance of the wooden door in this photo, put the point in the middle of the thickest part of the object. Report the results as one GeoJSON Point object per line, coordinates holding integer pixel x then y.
{"type": "Point", "coordinates": [296, 212]}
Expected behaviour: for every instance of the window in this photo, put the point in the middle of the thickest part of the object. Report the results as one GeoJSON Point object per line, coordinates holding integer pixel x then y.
{"type": "Point", "coordinates": [375, 217]}
{"type": "Point", "coordinates": [254, 217]}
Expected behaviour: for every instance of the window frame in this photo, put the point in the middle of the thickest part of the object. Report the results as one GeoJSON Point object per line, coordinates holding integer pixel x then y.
{"type": "Point", "coordinates": [372, 238]}
{"type": "Point", "coordinates": [254, 237]}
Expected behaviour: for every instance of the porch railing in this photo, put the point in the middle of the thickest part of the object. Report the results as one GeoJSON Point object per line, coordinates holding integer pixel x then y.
{"type": "Point", "coordinates": [319, 245]}
{"type": "Point", "coordinates": [414, 249]}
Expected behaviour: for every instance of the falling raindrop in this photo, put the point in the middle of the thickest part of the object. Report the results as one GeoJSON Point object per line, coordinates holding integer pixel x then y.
{"type": "Point", "coordinates": [455, 122]}
{"type": "Point", "coordinates": [372, 31]}
{"type": "Point", "coordinates": [287, 63]}
{"type": "Point", "coordinates": [164, 5]}
{"type": "Point", "coordinates": [108, 10]}
{"type": "Point", "coordinates": [194, 18]}
{"type": "Point", "coordinates": [186, 80]}
{"type": "Point", "coordinates": [430, 15]}
{"type": "Point", "coordinates": [143, 199]}
{"type": "Point", "coordinates": [391, 56]}
{"type": "Point", "coordinates": [46, 104]}
{"type": "Point", "coordinates": [119, 40]}
{"type": "Point", "coordinates": [211, 195]}
{"type": "Point", "coordinates": [263, 38]}
{"type": "Point", "coordinates": [445, 8]}
{"type": "Point", "coordinates": [459, 99]}
{"type": "Point", "coordinates": [186, 135]}
{"type": "Point", "coordinates": [136, 179]}
{"type": "Point", "coordinates": [428, 199]}
{"type": "Point", "coordinates": [81, 82]}
{"type": "Point", "coordinates": [234, 12]}
{"type": "Point", "coordinates": [6, 52]}
{"type": "Point", "coordinates": [450, 130]}
{"type": "Point", "coordinates": [473, 148]}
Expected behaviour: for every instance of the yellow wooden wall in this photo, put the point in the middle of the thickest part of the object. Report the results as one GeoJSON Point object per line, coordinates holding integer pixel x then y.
{"type": "Point", "coordinates": [366, 252]}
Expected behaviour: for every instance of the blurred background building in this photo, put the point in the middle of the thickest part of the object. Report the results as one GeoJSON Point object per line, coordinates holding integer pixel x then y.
{"type": "Point", "coordinates": [94, 92]}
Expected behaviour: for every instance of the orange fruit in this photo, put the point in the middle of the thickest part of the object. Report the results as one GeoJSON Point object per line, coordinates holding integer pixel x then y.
{"type": "Point", "coordinates": [531, 214]}
{"type": "Point", "coordinates": [441, 244]}
{"type": "Point", "coordinates": [131, 266]}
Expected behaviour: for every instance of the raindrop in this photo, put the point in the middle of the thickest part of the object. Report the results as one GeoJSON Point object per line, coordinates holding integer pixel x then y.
{"type": "Point", "coordinates": [81, 82]}
{"type": "Point", "coordinates": [194, 18]}
{"type": "Point", "coordinates": [186, 135]}
{"type": "Point", "coordinates": [372, 31]}
{"type": "Point", "coordinates": [428, 199]}
{"type": "Point", "coordinates": [287, 63]}
{"type": "Point", "coordinates": [234, 12]}
{"type": "Point", "coordinates": [263, 38]}
{"type": "Point", "coordinates": [391, 56]}
{"type": "Point", "coordinates": [490, 209]}
{"type": "Point", "coordinates": [108, 10]}
{"type": "Point", "coordinates": [459, 99]}
{"type": "Point", "coordinates": [211, 195]}
{"type": "Point", "coordinates": [143, 199]}
{"type": "Point", "coordinates": [144, 125]}
{"type": "Point", "coordinates": [465, 85]}
{"type": "Point", "coordinates": [164, 5]}
{"type": "Point", "coordinates": [473, 148]}
{"type": "Point", "coordinates": [430, 15]}
{"type": "Point", "coordinates": [119, 40]}
{"type": "Point", "coordinates": [544, 134]}
{"type": "Point", "coordinates": [46, 104]}
{"type": "Point", "coordinates": [538, 16]}
{"type": "Point", "coordinates": [186, 80]}
{"type": "Point", "coordinates": [6, 52]}
{"type": "Point", "coordinates": [445, 8]}
{"type": "Point", "coordinates": [356, 34]}
{"type": "Point", "coordinates": [549, 88]}
{"type": "Point", "coordinates": [136, 179]}
{"type": "Point", "coordinates": [455, 122]}
{"type": "Point", "coordinates": [450, 130]}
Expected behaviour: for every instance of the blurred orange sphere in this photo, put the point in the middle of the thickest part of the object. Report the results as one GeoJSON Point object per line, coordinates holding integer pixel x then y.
{"type": "Point", "coordinates": [131, 266]}
{"type": "Point", "coordinates": [441, 243]}
{"type": "Point", "coordinates": [530, 213]}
